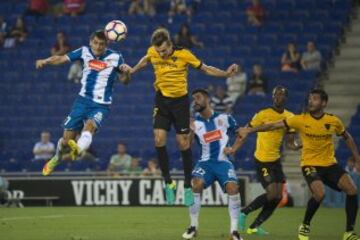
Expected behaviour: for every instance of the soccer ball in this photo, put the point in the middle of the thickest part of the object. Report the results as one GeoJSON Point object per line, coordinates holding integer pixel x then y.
{"type": "Point", "coordinates": [115, 30]}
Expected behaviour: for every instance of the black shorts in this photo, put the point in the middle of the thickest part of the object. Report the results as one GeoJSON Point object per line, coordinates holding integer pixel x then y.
{"type": "Point", "coordinates": [168, 111]}
{"type": "Point", "coordinates": [269, 172]}
{"type": "Point", "coordinates": [330, 175]}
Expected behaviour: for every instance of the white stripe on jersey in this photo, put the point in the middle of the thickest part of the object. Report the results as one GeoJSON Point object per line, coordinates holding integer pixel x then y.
{"type": "Point", "coordinates": [98, 73]}
{"type": "Point", "coordinates": [212, 135]}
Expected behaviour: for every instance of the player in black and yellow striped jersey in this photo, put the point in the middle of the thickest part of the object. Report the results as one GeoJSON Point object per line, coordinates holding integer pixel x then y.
{"type": "Point", "coordinates": [172, 107]}
{"type": "Point", "coordinates": [267, 159]}
{"type": "Point", "coordinates": [319, 166]}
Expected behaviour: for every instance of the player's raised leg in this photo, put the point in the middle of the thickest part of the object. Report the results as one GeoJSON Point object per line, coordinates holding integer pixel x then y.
{"type": "Point", "coordinates": [347, 185]}
{"type": "Point", "coordinates": [94, 119]}
{"type": "Point", "coordinates": [181, 114]}
{"type": "Point", "coordinates": [84, 141]}
{"type": "Point", "coordinates": [72, 126]}
{"type": "Point", "coordinates": [54, 161]}
{"type": "Point", "coordinates": [186, 154]}
{"type": "Point", "coordinates": [194, 209]}
{"type": "Point", "coordinates": [254, 205]}
{"type": "Point", "coordinates": [273, 197]}
{"type": "Point", "coordinates": [271, 178]}
{"type": "Point", "coordinates": [49, 167]}
{"type": "Point", "coordinates": [160, 137]}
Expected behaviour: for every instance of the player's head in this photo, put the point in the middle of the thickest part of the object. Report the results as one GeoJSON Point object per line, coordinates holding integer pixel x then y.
{"type": "Point", "coordinates": [161, 41]}
{"type": "Point", "coordinates": [98, 42]}
{"type": "Point", "coordinates": [279, 96]}
{"type": "Point", "coordinates": [317, 101]}
{"type": "Point", "coordinates": [201, 99]}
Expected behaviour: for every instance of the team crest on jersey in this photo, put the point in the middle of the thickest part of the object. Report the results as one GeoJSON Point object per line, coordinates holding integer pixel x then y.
{"type": "Point", "coordinates": [98, 117]}
{"type": "Point", "coordinates": [212, 136]}
{"type": "Point", "coordinates": [327, 126]}
{"type": "Point", "coordinates": [97, 65]}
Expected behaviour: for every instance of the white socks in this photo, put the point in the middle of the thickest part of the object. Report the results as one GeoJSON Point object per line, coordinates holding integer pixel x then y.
{"type": "Point", "coordinates": [194, 210]}
{"type": "Point", "coordinates": [84, 141]}
{"type": "Point", "coordinates": [234, 211]}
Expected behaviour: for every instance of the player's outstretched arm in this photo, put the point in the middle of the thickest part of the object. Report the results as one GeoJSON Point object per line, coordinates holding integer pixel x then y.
{"type": "Point", "coordinates": [125, 75]}
{"type": "Point", "coordinates": [140, 65]}
{"type": "Point", "coordinates": [352, 146]}
{"type": "Point", "coordinates": [235, 147]}
{"type": "Point", "coordinates": [216, 72]}
{"type": "Point", "coordinates": [53, 60]}
{"type": "Point", "coordinates": [192, 131]}
{"type": "Point", "coordinates": [244, 131]}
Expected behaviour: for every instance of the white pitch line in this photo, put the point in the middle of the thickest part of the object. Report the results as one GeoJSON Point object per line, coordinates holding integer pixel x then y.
{"type": "Point", "coordinates": [38, 217]}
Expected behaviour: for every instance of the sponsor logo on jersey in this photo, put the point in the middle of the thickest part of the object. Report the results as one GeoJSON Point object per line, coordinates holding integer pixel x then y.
{"type": "Point", "coordinates": [97, 65]}
{"type": "Point", "coordinates": [212, 136]}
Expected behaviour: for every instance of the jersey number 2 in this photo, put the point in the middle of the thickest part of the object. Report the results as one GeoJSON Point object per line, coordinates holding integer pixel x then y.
{"type": "Point", "coordinates": [310, 170]}
{"type": "Point", "coordinates": [155, 112]}
{"type": "Point", "coordinates": [265, 172]}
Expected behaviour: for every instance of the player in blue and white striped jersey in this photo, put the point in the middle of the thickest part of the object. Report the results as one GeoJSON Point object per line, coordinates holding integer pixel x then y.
{"type": "Point", "coordinates": [212, 131]}
{"type": "Point", "coordinates": [101, 67]}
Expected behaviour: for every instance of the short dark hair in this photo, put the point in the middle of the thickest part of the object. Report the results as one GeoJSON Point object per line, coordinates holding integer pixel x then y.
{"type": "Point", "coordinates": [323, 95]}
{"type": "Point", "coordinates": [160, 36]}
{"type": "Point", "coordinates": [202, 91]}
{"type": "Point", "coordinates": [279, 87]}
{"type": "Point", "coordinates": [100, 34]}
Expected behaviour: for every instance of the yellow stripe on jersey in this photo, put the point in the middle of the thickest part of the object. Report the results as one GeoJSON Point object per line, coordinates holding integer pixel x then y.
{"type": "Point", "coordinates": [317, 137]}
{"type": "Point", "coordinates": [171, 73]}
{"type": "Point", "coordinates": [268, 144]}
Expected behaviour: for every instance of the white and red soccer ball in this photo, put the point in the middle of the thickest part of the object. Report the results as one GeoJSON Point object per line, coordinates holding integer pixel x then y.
{"type": "Point", "coordinates": [116, 30]}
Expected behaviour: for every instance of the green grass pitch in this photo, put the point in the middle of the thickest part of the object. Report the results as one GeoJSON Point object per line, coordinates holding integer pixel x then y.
{"type": "Point", "coordinates": [161, 223]}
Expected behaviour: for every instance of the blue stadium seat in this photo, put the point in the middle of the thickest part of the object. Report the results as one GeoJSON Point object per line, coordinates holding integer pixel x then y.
{"type": "Point", "coordinates": [315, 27]}
{"type": "Point", "coordinates": [230, 37]}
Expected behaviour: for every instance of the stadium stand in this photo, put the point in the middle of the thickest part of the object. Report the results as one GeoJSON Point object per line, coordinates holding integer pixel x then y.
{"type": "Point", "coordinates": [33, 101]}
